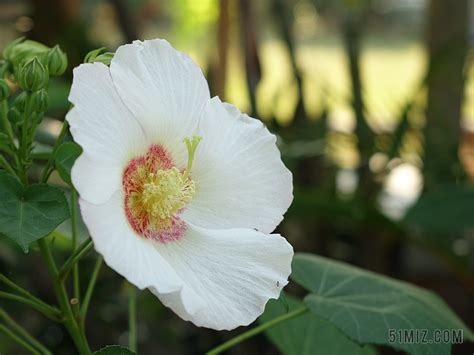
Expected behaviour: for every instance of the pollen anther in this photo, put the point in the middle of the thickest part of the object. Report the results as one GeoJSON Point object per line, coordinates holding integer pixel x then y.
{"type": "Point", "coordinates": [156, 192]}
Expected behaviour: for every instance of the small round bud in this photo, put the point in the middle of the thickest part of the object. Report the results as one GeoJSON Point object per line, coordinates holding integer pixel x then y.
{"type": "Point", "coordinates": [4, 90]}
{"type": "Point", "coordinates": [7, 52]}
{"type": "Point", "coordinates": [97, 56]}
{"type": "Point", "coordinates": [40, 101]}
{"type": "Point", "coordinates": [32, 76]}
{"type": "Point", "coordinates": [20, 102]}
{"type": "Point", "coordinates": [20, 51]}
{"type": "Point", "coordinates": [57, 61]}
{"type": "Point", "coordinates": [4, 66]}
{"type": "Point", "coordinates": [15, 116]}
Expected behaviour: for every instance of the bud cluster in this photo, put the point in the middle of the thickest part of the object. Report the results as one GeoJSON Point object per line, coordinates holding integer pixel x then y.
{"type": "Point", "coordinates": [31, 63]}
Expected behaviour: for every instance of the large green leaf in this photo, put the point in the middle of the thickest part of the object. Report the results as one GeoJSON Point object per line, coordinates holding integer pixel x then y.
{"type": "Point", "coordinates": [449, 209]}
{"type": "Point", "coordinates": [65, 158]}
{"type": "Point", "coordinates": [307, 334]}
{"type": "Point", "coordinates": [29, 214]}
{"type": "Point", "coordinates": [114, 350]}
{"type": "Point", "coordinates": [365, 305]}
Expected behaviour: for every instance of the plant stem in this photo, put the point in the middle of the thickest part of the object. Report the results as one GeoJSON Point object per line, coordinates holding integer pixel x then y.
{"type": "Point", "coordinates": [25, 293]}
{"type": "Point", "coordinates": [73, 327]}
{"type": "Point", "coordinates": [257, 330]}
{"type": "Point", "coordinates": [5, 122]}
{"type": "Point", "coordinates": [132, 318]}
{"type": "Point", "coordinates": [53, 315]}
{"type": "Point", "coordinates": [18, 340]}
{"type": "Point", "coordinates": [23, 332]}
{"type": "Point", "coordinates": [6, 165]}
{"type": "Point", "coordinates": [82, 250]}
{"type": "Point", "coordinates": [75, 269]}
{"type": "Point", "coordinates": [24, 147]}
{"type": "Point", "coordinates": [48, 168]}
{"type": "Point", "coordinates": [90, 287]}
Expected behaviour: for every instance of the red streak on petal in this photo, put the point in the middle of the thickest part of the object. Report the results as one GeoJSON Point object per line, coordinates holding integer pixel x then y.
{"type": "Point", "coordinates": [156, 158]}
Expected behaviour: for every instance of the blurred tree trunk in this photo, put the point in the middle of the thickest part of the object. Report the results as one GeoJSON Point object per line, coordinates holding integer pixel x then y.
{"type": "Point", "coordinates": [126, 20]}
{"type": "Point", "coordinates": [248, 35]}
{"type": "Point", "coordinates": [222, 49]}
{"type": "Point", "coordinates": [59, 22]}
{"type": "Point", "coordinates": [447, 45]}
{"type": "Point", "coordinates": [283, 15]}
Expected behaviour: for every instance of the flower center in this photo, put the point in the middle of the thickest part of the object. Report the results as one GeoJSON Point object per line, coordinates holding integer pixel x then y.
{"type": "Point", "coordinates": [156, 193]}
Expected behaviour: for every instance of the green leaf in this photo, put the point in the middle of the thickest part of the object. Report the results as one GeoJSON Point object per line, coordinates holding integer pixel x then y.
{"type": "Point", "coordinates": [65, 158]}
{"type": "Point", "coordinates": [365, 305]}
{"type": "Point", "coordinates": [29, 214]}
{"type": "Point", "coordinates": [114, 350]}
{"type": "Point", "coordinates": [307, 334]}
{"type": "Point", "coordinates": [449, 209]}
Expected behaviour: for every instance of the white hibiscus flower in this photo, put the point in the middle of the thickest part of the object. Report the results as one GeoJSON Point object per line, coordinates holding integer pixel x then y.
{"type": "Point", "coordinates": [179, 191]}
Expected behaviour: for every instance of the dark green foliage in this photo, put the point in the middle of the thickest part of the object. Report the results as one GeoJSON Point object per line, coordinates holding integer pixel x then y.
{"type": "Point", "coordinates": [27, 215]}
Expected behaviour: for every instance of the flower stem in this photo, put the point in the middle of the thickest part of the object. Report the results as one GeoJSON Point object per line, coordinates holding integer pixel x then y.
{"type": "Point", "coordinates": [5, 122]}
{"type": "Point", "coordinates": [27, 294]}
{"type": "Point", "coordinates": [257, 330]}
{"type": "Point", "coordinates": [23, 332]}
{"type": "Point", "coordinates": [82, 250]}
{"type": "Point", "coordinates": [18, 340]}
{"type": "Point", "coordinates": [75, 330]}
{"type": "Point", "coordinates": [90, 287]}
{"type": "Point", "coordinates": [6, 165]}
{"type": "Point", "coordinates": [48, 311]}
{"type": "Point", "coordinates": [75, 268]}
{"type": "Point", "coordinates": [24, 146]}
{"type": "Point", "coordinates": [48, 169]}
{"type": "Point", "coordinates": [132, 318]}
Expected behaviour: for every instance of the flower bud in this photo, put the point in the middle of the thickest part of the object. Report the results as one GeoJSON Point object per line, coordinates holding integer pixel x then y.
{"type": "Point", "coordinates": [15, 116]}
{"type": "Point", "coordinates": [40, 101]}
{"type": "Point", "coordinates": [20, 102]}
{"type": "Point", "coordinates": [4, 90]}
{"type": "Point", "coordinates": [57, 61]}
{"type": "Point", "coordinates": [32, 76]}
{"type": "Point", "coordinates": [4, 66]}
{"type": "Point", "coordinates": [20, 51]}
{"type": "Point", "coordinates": [97, 56]}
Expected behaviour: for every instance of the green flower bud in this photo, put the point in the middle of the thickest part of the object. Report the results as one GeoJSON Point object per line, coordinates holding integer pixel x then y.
{"type": "Point", "coordinates": [57, 61]}
{"type": "Point", "coordinates": [4, 66]}
{"type": "Point", "coordinates": [7, 52]}
{"type": "Point", "coordinates": [40, 101]}
{"type": "Point", "coordinates": [15, 116]}
{"type": "Point", "coordinates": [4, 90]}
{"type": "Point", "coordinates": [97, 56]}
{"type": "Point", "coordinates": [20, 51]}
{"type": "Point", "coordinates": [32, 76]}
{"type": "Point", "coordinates": [20, 102]}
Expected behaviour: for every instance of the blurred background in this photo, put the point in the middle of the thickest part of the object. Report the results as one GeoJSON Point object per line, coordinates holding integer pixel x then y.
{"type": "Point", "coordinates": [373, 104]}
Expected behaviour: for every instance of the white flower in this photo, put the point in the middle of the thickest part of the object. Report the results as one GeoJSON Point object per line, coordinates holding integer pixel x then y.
{"type": "Point", "coordinates": [179, 191]}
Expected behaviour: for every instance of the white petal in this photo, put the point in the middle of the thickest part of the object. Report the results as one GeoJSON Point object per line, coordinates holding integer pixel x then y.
{"type": "Point", "coordinates": [108, 133]}
{"type": "Point", "coordinates": [240, 178]}
{"type": "Point", "coordinates": [164, 89]}
{"type": "Point", "coordinates": [232, 272]}
{"type": "Point", "coordinates": [132, 256]}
